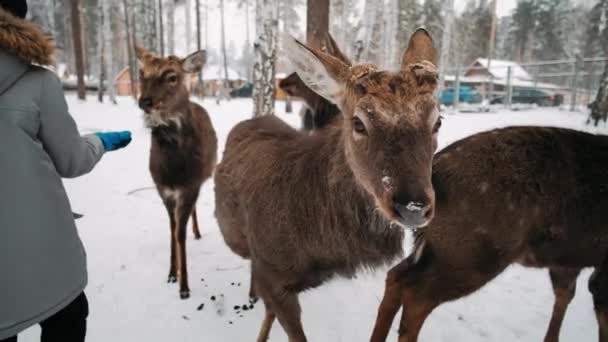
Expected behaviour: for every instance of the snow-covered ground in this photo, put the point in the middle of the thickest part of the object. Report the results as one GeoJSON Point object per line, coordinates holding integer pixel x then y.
{"type": "Point", "coordinates": [127, 241]}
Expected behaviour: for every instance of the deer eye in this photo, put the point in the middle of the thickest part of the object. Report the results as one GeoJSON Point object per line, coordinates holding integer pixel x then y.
{"type": "Point", "coordinates": [438, 124]}
{"type": "Point", "coordinates": [358, 126]}
{"type": "Point", "coordinates": [172, 78]}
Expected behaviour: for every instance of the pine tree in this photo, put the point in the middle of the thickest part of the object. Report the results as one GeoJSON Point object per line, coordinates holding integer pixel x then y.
{"type": "Point", "coordinates": [522, 26]}
{"type": "Point", "coordinates": [549, 37]}
{"type": "Point", "coordinates": [265, 48]}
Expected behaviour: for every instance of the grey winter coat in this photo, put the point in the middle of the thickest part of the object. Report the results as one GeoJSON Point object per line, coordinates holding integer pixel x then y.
{"type": "Point", "coordinates": [42, 260]}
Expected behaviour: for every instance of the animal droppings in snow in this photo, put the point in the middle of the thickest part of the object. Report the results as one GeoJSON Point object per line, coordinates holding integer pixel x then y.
{"type": "Point", "coordinates": [237, 307]}
{"type": "Point", "coordinates": [212, 297]}
{"type": "Point", "coordinates": [245, 308]}
{"type": "Point", "coordinates": [186, 317]}
{"type": "Point", "coordinates": [200, 307]}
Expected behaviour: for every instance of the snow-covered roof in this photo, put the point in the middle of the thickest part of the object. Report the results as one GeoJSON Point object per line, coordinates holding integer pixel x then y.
{"type": "Point", "coordinates": [499, 68]}
{"type": "Point", "coordinates": [515, 82]}
{"type": "Point", "coordinates": [216, 72]}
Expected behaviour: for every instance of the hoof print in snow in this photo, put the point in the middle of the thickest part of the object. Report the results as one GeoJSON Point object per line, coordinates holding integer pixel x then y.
{"type": "Point", "coordinates": [200, 307]}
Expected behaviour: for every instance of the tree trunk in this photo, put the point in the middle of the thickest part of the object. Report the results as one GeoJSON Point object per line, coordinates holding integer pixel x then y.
{"type": "Point", "coordinates": [445, 41]}
{"type": "Point", "coordinates": [130, 51]}
{"type": "Point", "coordinates": [599, 107]}
{"type": "Point", "coordinates": [108, 43]}
{"type": "Point", "coordinates": [161, 29]}
{"type": "Point", "coordinates": [171, 27]}
{"type": "Point", "coordinates": [223, 37]}
{"type": "Point", "coordinates": [200, 86]}
{"type": "Point", "coordinates": [101, 50]}
{"type": "Point", "coordinates": [188, 7]}
{"type": "Point", "coordinates": [78, 53]}
{"type": "Point", "coordinates": [265, 48]}
{"type": "Point", "coordinates": [317, 23]}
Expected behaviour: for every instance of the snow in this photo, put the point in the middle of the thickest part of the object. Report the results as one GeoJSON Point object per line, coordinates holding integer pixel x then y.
{"type": "Point", "coordinates": [499, 69]}
{"type": "Point", "coordinates": [216, 72]}
{"type": "Point", "coordinates": [127, 240]}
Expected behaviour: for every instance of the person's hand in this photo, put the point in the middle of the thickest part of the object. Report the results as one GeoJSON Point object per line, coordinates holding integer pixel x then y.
{"type": "Point", "coordinates": [114, 140]}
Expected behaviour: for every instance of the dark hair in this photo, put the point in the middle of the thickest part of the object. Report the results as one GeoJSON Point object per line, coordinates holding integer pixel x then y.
{"type": "Point", "coordinates": [17, 8]}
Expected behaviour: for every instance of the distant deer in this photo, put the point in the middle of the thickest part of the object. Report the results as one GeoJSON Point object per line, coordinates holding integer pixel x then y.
{"type": "Point", "coordinates": [321, 110]}
{"type": "Point", "coordinates": [184, 146]}
{"type": "Point", "coordinates": [533, 196]}
{"type": "Point", "coordinates": [307, 208]}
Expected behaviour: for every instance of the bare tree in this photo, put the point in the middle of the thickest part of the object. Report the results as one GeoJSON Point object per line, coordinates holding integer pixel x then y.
{"type": "Point", "coordinates": [108, 44]}
{"type": "Point", "coordinates": [265, 48]}
{"type": "Point", "coordinates": [101, 50]}
{"type": "Point", "coordinates": [223, 38]}
{"type": "Point", "coordinates": [171, 27]}
{"type": "Point", "coordinates": [78, 52]}
{"type": "Point", "coordinates": [187, 8]}
{"type": "Point", "coordinates": [130, 49]}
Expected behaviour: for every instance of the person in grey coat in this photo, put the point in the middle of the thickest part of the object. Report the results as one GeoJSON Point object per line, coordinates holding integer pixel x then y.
{"type": "Point", "coordinates": [42, 261]}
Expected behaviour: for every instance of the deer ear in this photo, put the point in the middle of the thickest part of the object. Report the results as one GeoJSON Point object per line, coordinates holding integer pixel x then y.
{"type": "Point", "coordinates": [334, 50]}
{"type": "Point", "coordinates": [324, 74]}
{"type": "Point", "coordinates": [194, 62]}
{"type": "Point", "coordinates": [141, 55]}
{"type": "Point", "coordinates": [420, 48]}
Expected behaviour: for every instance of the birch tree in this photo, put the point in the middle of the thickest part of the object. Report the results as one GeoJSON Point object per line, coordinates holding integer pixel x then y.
{"type": "Point", "coordinates": [265, 51]}
{"type": "Point", "coordinates": [108, 43]}
{"type": "Point", "coordinates": [407, 22]}
{"type": "Point", "coordinates": [599, 107]}
{"type": "Point", "coordinates": [171, 27]}
{"type": "Point", "coordinates": [187, 9]}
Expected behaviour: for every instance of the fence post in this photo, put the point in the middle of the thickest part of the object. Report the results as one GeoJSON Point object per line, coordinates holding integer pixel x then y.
{"type": "Point", "coordinates": [457, 89]}
{"type": "Point", "coordinates": [509, 87]}
{"type": "Point", "coordinates": [573, 87]}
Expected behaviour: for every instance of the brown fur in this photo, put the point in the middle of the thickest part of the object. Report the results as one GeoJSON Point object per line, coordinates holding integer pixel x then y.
{"type": "Point", "coordinates": [306, 208]}
{"type": "Point", "coordinates": [25, 40]}
{"type": "Point", "coordinates": [535, 196]}
{"type": "Point", "coordinates": [183, 152]}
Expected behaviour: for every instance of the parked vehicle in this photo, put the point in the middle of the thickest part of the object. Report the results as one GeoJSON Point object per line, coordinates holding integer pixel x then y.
{"type": "Point", "coordinates": [530, 96]}
{"type": "Point", "coordinates": [466, 95]}
{"type": "Point", "coordinates": [245, 91]}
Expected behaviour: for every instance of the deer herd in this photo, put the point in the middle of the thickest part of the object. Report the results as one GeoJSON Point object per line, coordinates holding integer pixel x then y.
{"type": "Point", "coordinates": [308, 207]}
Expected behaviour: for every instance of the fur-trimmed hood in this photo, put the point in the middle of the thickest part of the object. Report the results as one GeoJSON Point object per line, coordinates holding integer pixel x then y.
{"type": "Point", "coordinates": [25, 40]}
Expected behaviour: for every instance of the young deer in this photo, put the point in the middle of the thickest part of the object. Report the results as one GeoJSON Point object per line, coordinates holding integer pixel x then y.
{"type": "Point", "coordinates": [306, 208]}
{"type": "Point", "coordinates": [322, 111]}
{"type": "Point", "coordinates": [534, 196]}
{"type": "Point", "coordinates": [184, 146]}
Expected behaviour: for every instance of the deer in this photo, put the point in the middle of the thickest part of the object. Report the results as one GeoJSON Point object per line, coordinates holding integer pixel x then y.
{"type": "Point", "coordinates": [307, 208]}
{"type": "Point", "coordinates": [183, 152]}
{"type": "Point", "coordinates": [535, 196]}
{"type": "Point", "coordinates": [322, 111]}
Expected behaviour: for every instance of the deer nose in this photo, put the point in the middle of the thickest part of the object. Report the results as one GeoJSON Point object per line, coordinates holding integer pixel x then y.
{"type": "Point", "coordinates": [145, 103]}
{"type": "Point", "coordinates": [413, 214]}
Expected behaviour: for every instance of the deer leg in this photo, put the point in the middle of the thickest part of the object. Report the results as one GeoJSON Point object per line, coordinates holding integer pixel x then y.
{"type": "Point", "coordinates": [170, 206]}
{"type": "Point", "coordinates": [416, 308]}
{"type": "Point", "coordinates": [253, 297]}
{"type": "Point", "coordinates": [391, 302]}
{"type": "Point", "coordinates": [197, 233]}
{"type": "Point", "coordinates": [269, 318]}
{"type": "Point", "coordinates": [284, 304]}
{"type": "Point", "coordinates": [185, 203]}
{"type": "Point", "coordinates": [598, 286]}
{"type": "Point", "coordinates": [564, 287]}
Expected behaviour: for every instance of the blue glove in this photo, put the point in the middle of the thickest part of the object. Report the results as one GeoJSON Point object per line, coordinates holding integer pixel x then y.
{"type": "Point", "coordinates": [114, 140]}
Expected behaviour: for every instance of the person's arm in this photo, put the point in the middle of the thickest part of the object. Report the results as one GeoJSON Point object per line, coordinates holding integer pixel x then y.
{"type": "Point", "coordinates": [72, 154]}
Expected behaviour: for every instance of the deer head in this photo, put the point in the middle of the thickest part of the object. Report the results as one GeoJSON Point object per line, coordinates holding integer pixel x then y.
{"type": "Point", "coordinates": [390, 123]}
{"type": "Point", "coordinates": [164, 96]}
